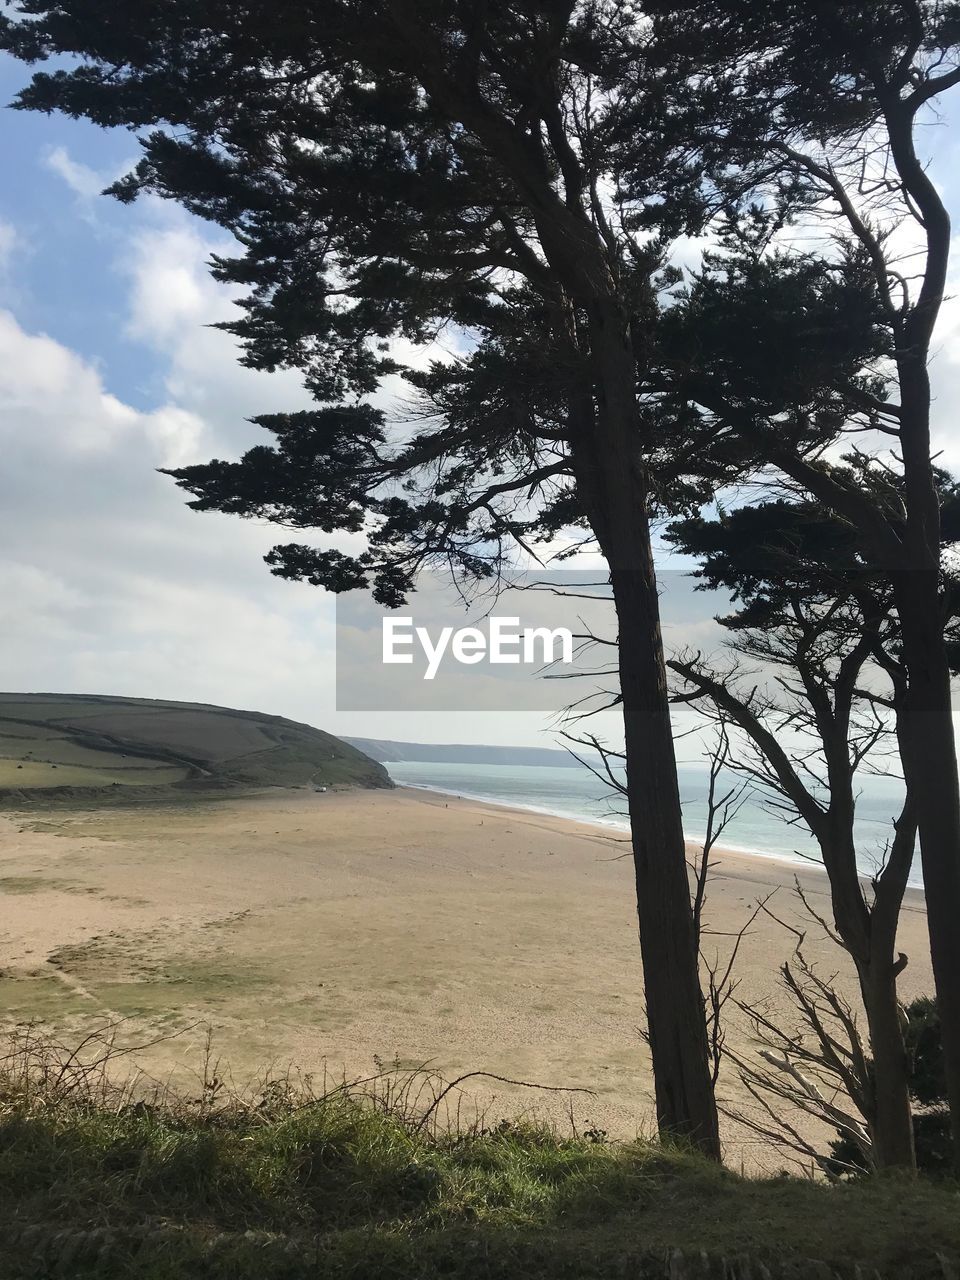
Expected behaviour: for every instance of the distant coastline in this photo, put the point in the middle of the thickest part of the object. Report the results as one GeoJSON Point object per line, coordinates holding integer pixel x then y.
{"type": "Point", "coordinates": [387, 751]}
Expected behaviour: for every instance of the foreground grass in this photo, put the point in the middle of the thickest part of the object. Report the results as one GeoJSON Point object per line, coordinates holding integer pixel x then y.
{"type": "Point", "coordinates": [338, 1187]}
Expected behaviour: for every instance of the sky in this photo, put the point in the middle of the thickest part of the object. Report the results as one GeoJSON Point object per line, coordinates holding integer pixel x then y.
{"type": "Point", "coordinates": [108, 371]}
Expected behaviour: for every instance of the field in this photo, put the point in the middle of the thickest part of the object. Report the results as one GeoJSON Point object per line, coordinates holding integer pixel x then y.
{"type": "Point", "coordinates": [120, 746]}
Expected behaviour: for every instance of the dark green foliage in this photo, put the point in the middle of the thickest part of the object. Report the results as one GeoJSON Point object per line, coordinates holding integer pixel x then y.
{"type": "Point", "coordinates": [397, 171]}
{"type": "Point", "coordinates": [812, 70]}
{"type": "Point", "coordinates": [771, 555]}
{"type": "Point", "coordinates": [922, 1035]}
{"type": "Point", "coordinates": [769, 549]}
{"type": "Point", "coordinates": [281, 483]}
{"type": "Point", "coordinates": [778, 336]}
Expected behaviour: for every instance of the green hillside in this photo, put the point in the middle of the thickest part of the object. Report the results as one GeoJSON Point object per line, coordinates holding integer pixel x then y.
{"type": "Point", "coordinates": [59, 742]}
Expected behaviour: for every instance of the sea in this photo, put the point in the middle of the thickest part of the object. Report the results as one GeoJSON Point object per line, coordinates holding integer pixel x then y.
{"type": "Point", "coordinates": [575, 792]}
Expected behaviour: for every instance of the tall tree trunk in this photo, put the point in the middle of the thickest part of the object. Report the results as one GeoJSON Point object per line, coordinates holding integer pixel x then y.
{"type": "Point", "coordinates": [891, 1115]}
{"type": "Point", "coordinates": [930, 767]}
{"type": "Point", "coordinates": [892, 1120]}
{"type": "Point", "coordinates": [870, 938]}
{"type": "Point", "coordinates": [930, 762]}
{"type": "Point", "coordinates": [613, 481]}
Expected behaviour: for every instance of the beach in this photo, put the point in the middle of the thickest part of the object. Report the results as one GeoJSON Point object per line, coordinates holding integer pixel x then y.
{"type": "Point", "coordinates": [330, 931]}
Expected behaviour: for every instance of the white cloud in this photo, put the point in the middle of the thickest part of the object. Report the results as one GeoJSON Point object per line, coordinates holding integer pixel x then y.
{"type": "Point", "coordinates": [173, 302]}
{"type": "Point", "coordinates": [9, 243]}
{"type": "Point", "coordinates": [121, 588]}
{"type": "Point", "coordinates": [171, 292]}
{"type": "Point", "coordinates": [80, 178]}
{"type": "Point", "coordinates": [118, 587]}
{"type": "Point", "coordinates": [114, 586]}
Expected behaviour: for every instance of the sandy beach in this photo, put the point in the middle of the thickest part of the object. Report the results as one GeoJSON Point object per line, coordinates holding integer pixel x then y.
{"type": "Point", "coordinates": [329, 930]}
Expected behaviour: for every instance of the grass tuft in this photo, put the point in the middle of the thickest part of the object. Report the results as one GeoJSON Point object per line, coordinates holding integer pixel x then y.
{"type": "Point", "coordinates": [99, 1179]}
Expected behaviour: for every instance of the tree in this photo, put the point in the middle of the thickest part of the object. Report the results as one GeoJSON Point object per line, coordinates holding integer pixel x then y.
{"type": "Point", "coordinates": [928, 1091]}
{"type": "Point", "coordinates": [390, 169]}
{"type": "Point", "coordinates": [817, 111]}
{"type": "Point", "coordinates": [825, 692]}
{"type": "Point", "coordinates": [811, 1059]}
{"type": "Point", "coordinates": [824, 629]}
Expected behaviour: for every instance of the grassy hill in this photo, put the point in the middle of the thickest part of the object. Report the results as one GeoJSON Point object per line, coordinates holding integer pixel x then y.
{"type": "Point", "coordinates": [63, 742]}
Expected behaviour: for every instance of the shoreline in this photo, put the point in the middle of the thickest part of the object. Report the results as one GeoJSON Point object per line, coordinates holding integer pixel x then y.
{"type": "Point", "coordinates": [914, 896]}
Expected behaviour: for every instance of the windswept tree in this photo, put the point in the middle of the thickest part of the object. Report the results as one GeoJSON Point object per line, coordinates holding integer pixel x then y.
{"type": "Point", "coordinates": [816, 691]}
{"type": "Point", "coordinates": [817, 108]}
{"type": "Point", "coordinates": [390, 170]}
